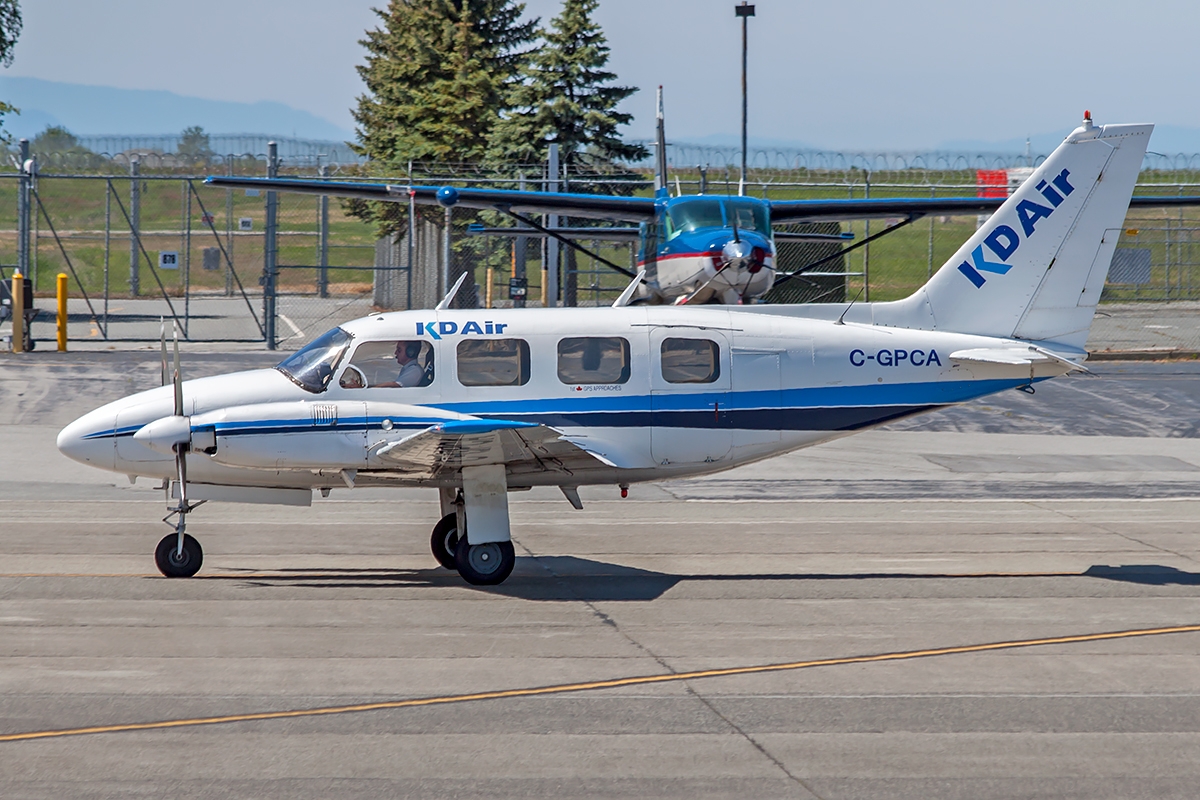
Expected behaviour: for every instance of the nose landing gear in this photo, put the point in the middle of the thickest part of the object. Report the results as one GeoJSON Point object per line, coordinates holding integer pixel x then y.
{"type": "Point", "coordinates": [176, 562]}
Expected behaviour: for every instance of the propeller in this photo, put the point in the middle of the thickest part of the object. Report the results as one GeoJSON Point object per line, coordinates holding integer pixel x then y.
{"type": "Point", "coordinates": [168, 434]}
{"type": "Point", "coordinates": [172, 435]}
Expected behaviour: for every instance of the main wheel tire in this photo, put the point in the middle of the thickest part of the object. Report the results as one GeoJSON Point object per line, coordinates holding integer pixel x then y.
{"type": "Point", "coordinates": [182, 565]}
{"type": "Point", "coordinates": [485, 564]}
{"type": "Point", "coordinates": [444, 542]}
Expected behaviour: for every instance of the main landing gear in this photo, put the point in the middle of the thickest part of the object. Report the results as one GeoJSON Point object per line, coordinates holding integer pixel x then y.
{"type": "Point", "coordinates": [480, 550]}
{"type": "Point", "coordinates": [486, 564]}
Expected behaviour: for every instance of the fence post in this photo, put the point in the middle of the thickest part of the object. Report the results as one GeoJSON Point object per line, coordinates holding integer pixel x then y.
{"type": "Point", "coordinates": [520, 250]}
{"type": "Point", "coordinates": [229, 230]}
{"type": "Point", "coordinates": [323, 238]}
{"type": "Point", "coordinates": [551, 290]}
{"type": "Point", "coordinates": [135, 224]}
{"type": "Point", "coordinates": [23, 183]}
{"type": "Point", "coordinates": [867, 247]}
{"type": "Point", "coordinates": [268, 276]}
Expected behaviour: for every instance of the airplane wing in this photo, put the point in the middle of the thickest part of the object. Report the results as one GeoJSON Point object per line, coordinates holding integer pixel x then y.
{"type": "Point", "coordinates": [523, 447]}
{"type": "Point", "coordinates": [593, 206]}
{"type": "Point", "coordinates": [791, 211]}
{"type": "Point", "coordinates": [637, 209]}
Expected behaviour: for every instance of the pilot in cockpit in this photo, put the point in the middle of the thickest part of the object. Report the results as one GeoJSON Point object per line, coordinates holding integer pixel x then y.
{"type": "Point", "coordinates": [411, 373]}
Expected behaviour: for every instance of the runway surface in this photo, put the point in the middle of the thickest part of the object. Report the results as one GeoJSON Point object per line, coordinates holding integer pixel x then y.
{"type": "Point", "coordinates": [993, 601]}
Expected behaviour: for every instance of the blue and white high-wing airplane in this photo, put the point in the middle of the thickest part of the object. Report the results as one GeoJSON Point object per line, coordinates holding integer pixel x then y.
{"type": "Point", "coordinates": [705, 248]}
{"type": "Point", "coordinates": [503, 400]}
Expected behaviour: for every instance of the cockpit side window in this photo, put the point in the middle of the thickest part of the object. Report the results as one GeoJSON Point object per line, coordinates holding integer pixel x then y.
{"type": "Point", "coordinates": [750, 215]}
{"type": "Point", "coordinates": [312, 366]}
{"type": "Point", "coordinates": [390, 363]}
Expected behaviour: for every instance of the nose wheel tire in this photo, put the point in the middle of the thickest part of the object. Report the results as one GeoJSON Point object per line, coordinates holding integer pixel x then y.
{"type": "Point", "coordinates": [485, 564]}
{"type": "Point", "coordinates": [444, 542]}
{"type": "Point", "coordinates": [178, 565]}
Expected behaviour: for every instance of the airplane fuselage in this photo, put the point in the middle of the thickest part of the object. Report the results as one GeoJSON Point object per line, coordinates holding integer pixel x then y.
{"type": "Point", "coordinates": [655, 392]}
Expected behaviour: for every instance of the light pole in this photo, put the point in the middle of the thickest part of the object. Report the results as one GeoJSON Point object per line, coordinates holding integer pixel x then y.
{"type": "Point", "coordinates": [745, 11]}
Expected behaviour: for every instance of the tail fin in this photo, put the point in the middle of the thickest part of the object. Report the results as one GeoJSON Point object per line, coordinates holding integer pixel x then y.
{"type": "Point", "coordinates": [1036, 269]}
{"type": "Point", "coordinates": [660, 153]}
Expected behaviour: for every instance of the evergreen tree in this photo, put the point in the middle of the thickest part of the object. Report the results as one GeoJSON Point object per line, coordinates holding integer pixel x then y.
{"type": "Point", "coordinates": [10, 29]}
{"type": "Point", "coordinates": [567, 97]}
{"type": "Point", "coordinates": [435, 75]}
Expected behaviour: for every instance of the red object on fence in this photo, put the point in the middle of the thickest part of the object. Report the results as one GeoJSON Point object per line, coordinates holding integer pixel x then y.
{"type": "Point", "coordinates": [992, 182]}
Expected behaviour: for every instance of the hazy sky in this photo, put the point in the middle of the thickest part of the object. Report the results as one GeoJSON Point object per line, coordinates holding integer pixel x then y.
{"type": "Point", "coordinates": [844, 75]}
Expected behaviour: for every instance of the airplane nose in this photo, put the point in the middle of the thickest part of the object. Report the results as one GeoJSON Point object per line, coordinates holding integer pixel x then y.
{"type": "Point", "coordinates": [89, 440]}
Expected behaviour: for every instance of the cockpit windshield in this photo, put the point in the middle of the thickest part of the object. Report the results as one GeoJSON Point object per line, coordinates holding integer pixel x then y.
{"type": "Point", "coordinates": [313, 365]}
{"type": "Point", "coordinates": [689, 215]}
{"type": "Point", "coordinates": [749, 214]}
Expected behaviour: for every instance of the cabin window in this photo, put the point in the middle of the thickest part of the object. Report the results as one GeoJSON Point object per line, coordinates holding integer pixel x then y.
{"type": "Point", "coordinates": [313, 365]}
{"type": "Point", "coordinates": [593, 359]}
{"type": "Point", "coordinates": [690, 360]}
{"type": "Point", "coordinates": [493, 362]}
{"type": "Point", "coordinates": [397, 364]}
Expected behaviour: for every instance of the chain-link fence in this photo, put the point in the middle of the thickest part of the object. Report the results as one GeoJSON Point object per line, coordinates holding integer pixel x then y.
{"type": "Point", "coordinates": [150, 242]}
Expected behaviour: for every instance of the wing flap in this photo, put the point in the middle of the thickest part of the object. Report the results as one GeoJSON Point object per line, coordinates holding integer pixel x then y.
{"type": "Point", "coordinates": [523, 447]}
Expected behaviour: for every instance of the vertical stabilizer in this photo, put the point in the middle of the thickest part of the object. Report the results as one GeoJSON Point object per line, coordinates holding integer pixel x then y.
{"type": "Point", "coordinates": [660, 152]}
{"type": "Point", "coordinates": [1036, 268]}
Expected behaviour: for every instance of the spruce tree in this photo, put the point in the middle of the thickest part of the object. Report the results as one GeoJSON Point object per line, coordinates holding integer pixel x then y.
{"type": "Point", "coordinates": [567, 97]}
{"type": "Point", "coordinates": [435, 76]}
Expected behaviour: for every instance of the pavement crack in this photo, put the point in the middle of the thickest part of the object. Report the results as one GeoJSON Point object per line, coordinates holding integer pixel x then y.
{"type": "Point", "coordinates": [606, 619]}
{"type": "Point", "coordinates": [1108, 529]}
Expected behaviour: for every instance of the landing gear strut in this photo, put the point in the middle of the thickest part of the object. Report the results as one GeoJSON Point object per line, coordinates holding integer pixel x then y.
{"type": "Point", "coordinates": [179, 555]}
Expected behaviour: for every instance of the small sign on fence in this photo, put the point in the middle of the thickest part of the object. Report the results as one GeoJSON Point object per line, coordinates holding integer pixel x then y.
{"type": "Point", "coordinates": [212, 258]}
{"type": "Point", "coordinates": [168, 259]}
{"type": "Point", "coordinates": [245, 223]}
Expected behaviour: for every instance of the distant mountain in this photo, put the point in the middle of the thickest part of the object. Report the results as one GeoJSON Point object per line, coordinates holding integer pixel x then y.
{"type": "Point", "coordinates": [1166, 139]}
{"type": "Point", "coordinates": [103, 109]}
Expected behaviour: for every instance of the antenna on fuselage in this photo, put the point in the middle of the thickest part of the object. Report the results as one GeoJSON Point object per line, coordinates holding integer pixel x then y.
{"type": "Point", "coordinates": [449, 298]}
{"type": "Point", "coordinates": [842, 319]}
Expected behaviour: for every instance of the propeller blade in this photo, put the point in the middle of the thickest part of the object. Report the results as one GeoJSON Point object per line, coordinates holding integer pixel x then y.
{"type": "Point", "coordinates": [178, 379]}
{"type": "Point", "coordinates": [162, 339]}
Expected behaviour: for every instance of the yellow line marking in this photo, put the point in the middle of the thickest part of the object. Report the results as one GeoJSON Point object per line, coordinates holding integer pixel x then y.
{"type": "Point", "coordinates": [563, 688]}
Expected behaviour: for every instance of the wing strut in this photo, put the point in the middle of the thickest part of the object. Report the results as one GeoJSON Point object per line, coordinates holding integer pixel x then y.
{"type": "Point", "coordinates": [800, 272]}
{"type": "Point", "coordinates": [564, 240]}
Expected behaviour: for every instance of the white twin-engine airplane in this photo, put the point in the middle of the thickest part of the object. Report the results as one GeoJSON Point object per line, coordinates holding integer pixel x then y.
{"type": "Point", "coordinates": [480, 403]}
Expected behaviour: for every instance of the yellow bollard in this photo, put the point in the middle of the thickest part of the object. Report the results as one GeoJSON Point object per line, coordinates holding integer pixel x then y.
{"type": "Point", "coordinates": [18, 310]}
{"type": "Point", "coordinates": [62, 312]}
{"type": "Point", "coordinates": [491, 279]}
{"type": "Point", "coordinates": [545, 283]}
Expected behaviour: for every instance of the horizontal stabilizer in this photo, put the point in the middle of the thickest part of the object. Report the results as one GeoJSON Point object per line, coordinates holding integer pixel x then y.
{"type": "Point", "coordinates": [1003, 361]}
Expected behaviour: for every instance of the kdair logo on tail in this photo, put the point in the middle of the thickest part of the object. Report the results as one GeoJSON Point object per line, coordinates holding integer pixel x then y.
{"type": "Point", "coordinates": [1003, 241]}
